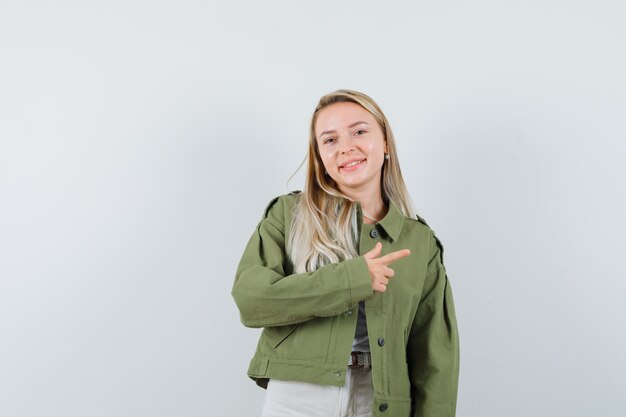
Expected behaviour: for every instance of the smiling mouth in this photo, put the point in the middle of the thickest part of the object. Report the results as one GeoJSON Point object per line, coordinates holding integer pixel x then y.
{"type": "Point", "coordinates": [352, 164]}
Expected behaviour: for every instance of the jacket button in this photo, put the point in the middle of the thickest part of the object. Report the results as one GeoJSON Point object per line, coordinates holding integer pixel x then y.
{"type": "Point", "coordinates": [383, 407]}
{"type": "Point", "coordinates": [374, 234]}
{"type": "Point", "coordinates": [349, 313]}
{"type": "Point", "coordinates": [381, 341]}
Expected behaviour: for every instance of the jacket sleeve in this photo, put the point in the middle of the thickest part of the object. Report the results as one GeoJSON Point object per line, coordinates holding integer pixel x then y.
{"type": "Point", "coordinates": [266, 296]}
{"type": "Point", "coordinates": [433, 347]}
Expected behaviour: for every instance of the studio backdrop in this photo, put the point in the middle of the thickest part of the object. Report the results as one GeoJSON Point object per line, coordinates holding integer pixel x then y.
{"type": "Point", "coordinates": [141, 141]}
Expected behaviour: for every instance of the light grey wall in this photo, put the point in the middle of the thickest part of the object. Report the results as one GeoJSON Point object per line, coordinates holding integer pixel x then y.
{"type": "Point", "coordinates": [140, 142]}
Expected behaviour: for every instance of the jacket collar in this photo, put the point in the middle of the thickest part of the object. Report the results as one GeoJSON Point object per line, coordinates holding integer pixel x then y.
{"type": "Point", "coordinates": [391, 223]}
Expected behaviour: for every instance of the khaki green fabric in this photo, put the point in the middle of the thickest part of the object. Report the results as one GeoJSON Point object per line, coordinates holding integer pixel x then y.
{"type": "Point", "coordinates": [309, 319]}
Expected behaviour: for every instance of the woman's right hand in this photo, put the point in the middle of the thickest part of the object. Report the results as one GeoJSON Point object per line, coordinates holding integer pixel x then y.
{"type": "Point", "coordinates": [378, 265]}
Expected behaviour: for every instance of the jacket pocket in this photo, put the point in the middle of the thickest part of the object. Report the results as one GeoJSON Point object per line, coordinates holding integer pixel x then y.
{"type": "Point", "coordinates": [277, 334]}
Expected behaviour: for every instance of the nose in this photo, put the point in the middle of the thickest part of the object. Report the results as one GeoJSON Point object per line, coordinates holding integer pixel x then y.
{"type": "Point", "coordinates": [346, 145]}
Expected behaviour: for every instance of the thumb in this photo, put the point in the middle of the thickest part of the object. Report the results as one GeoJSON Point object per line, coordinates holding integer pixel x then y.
{"type": "Point", "coordinates": [375, 252]}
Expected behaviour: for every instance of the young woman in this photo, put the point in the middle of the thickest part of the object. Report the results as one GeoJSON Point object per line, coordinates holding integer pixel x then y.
{"type": "Point", "coordinates": [348, 286]}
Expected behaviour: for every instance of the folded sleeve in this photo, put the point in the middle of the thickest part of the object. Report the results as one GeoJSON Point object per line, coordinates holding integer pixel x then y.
{"type": "Point", "coordinates": [266, 296]}
{"type": "Point", "coordinates": [433, 347]}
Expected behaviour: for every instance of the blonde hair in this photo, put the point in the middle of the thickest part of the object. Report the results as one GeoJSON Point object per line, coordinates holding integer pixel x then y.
{"type": "Point", "coordinates": [324, 228]}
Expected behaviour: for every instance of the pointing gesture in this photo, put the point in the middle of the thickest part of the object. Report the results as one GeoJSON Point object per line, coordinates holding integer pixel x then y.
{"type": "Point", "coordinates": [378, 266]}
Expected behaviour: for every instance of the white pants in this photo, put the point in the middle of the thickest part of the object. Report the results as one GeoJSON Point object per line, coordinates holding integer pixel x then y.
{"type": "Point", "coordinates": [302, 399]}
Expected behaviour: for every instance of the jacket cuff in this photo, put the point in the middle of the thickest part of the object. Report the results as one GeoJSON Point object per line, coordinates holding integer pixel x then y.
{"type": "Point", "coordinates": [359, 281]}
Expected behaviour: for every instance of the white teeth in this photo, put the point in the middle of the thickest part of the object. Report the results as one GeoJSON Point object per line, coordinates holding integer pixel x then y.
{"type": "Point", "coordinates": [351, 164]}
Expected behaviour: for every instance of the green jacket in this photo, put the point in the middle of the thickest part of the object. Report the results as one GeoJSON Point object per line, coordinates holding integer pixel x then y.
{"type": "Point", "coordinates": [309, 319]}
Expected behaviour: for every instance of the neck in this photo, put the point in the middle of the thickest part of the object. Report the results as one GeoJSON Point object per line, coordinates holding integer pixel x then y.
{"type": "Point", "coordinates": [372, 204]}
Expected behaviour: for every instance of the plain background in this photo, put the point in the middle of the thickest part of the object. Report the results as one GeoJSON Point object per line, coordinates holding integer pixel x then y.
{"type": "Point", "coordinates": [140, 142]}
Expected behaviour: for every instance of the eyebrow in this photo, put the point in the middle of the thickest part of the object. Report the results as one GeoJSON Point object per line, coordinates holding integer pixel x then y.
{"type": "Point", "coordinates": [334, 131]}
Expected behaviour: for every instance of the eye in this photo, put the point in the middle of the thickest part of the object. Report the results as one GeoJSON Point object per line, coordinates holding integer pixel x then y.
{"type": "Point", "coordinates": [360, 132]}
{"type": "Point", "coordinates": [327, 140]}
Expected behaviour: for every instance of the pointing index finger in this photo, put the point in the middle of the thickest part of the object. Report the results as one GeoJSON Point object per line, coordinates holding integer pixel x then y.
{"type": "Point", "coordinates": [394, 256]}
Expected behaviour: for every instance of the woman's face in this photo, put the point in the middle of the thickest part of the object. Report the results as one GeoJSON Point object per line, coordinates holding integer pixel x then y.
{"type": "Point", "coordinates": [351, 145]}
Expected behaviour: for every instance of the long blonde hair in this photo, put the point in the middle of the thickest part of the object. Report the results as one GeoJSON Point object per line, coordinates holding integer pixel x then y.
{"type": "Point", "coordinates": [324, 228]}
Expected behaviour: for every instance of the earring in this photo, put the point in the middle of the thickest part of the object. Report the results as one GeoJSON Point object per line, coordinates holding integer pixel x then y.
{"type": "Point", "coordinates": [325, 172]}
{"type": "Point", "coordinates": [386, 156]}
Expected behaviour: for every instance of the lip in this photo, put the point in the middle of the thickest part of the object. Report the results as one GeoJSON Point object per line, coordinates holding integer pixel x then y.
{"type": "Point", "coordinates": [343, 165]}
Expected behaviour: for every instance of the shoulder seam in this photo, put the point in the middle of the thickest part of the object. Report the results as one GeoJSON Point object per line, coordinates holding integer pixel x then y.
{"type": "Point", "coordinates": [432, 232]}
{"type": "Point", "coordinates": [275, 199]}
